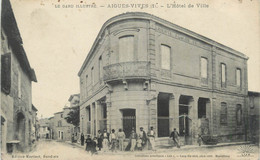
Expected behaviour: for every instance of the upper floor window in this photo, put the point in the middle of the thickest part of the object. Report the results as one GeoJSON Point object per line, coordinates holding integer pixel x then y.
{"type": "Point", "coordinates": [204, 67]}
{"type": "Point", "coordinates": [59, 123]}
{"type": "Point", "coordinates": [61, 115]}
{"type": "Point", "coordinates": [239, 114]}
{"type": "Point", "coordinates": [223, 75]}
{"type": "Point", "coordinates": [165, 57]}
{"type": "Point", "coordinates": [223, 113]}
{"type": "Point", "coordinates": [92, 76]}
{"type": "Point", "coordinates": [126, 48]}
{"type": "Point", "coordinates": [238, 77]}
{"type": "Point", "coordinates": [100, 65]}
{"type": "Point", "coordinates": [19, 84]}
{"type": "Point", "coordinates": [6, 73]}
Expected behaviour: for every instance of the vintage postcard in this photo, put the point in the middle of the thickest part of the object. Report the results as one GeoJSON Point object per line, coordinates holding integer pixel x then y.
{"type": "Point", "coordinates": [120, 79]}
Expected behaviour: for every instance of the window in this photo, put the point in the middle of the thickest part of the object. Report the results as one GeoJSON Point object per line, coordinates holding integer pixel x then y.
{"type": "Point", "coordinates": [61, 115]}
{"type": "Point", "coordinates": [6, 73]}
{"type": "Point", "coordinates": [88, 110]}
{"type": "Point", "coordinates": [165, 57]}
{"type": "Point", "coordinates": [223, 113]}
{"type": "Point", "coordinates": [239, 114]}
{"type": "Point", "coordinates": [19, 84]}
{"type": "Point", "coordinates": [204, 67]}
{"type": "Point", "coordinates": [92, 76]}
{"type": "Point", "coordinates": [100, 65]}
{"type": "Point", "coordinates": [59, 123]}
{"type": "Point", "coordinates": [223, 75]}
{"type": "Point", "coordinates": [126, 48]}
{"type": "Point", "coordinates": [238, 77]}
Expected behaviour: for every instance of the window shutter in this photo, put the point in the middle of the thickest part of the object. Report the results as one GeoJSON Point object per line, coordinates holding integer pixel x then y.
{"type": "Point", "coordinates": [6, 73]}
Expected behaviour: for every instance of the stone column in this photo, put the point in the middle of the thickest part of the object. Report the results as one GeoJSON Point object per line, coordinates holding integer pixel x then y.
{"type": "Point", "coordinates": [194, 117]}
{"type": "Point", "coordinates": [176, 112]}
{"type": "Point", "coordinates": [171, 112]}
{"type": "Point", "coordinates": [152, 102]}
{"type": "Point", "coordinates": [92, 118]}
{"type": "Point", "coordinates": [98, 115]}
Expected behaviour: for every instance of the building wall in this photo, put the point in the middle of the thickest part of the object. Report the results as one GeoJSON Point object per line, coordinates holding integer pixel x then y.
{"type": "Point", "coordinates": [17, 101]}
{"type": "Point", "coordinates": [137, 86]}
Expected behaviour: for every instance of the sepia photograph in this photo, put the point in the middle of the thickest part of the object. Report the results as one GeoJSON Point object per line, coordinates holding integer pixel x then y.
{"type": "Point", "coordinates": [120, 79]}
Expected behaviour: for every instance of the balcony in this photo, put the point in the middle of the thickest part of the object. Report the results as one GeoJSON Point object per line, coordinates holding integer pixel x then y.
{"type": "Point", "coordinates": [127, 70]}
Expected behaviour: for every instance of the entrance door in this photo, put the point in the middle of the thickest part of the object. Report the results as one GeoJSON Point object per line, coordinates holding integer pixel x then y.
{"type": "Point", "coordinates": [163, 115]}
{"type": "Point", "coordinates": [129, 121]}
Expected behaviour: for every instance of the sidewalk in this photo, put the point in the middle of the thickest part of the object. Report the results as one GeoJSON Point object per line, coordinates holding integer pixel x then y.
{"type": "Point", "coordinates": [165, 148]}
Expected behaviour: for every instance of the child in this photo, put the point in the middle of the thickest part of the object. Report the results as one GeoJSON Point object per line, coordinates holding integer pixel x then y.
{"type": "Point", "coordinates": [93, 146]}
{"type": "Point", "coordinates": [139, 144]}
{"type": "Point", "coordinates": [199, 140]}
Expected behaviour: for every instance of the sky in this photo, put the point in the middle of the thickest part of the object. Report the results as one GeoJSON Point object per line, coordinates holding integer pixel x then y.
{"type": "Point", "coordinates": [57, 40]}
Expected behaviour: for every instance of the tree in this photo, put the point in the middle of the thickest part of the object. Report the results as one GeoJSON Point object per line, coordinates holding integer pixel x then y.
{"type": "Point", "coordinates": [73, 117]}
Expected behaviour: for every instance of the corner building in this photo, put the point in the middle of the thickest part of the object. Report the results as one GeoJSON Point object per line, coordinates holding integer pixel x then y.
{"type": "Point", "coordinates": [144, 71]}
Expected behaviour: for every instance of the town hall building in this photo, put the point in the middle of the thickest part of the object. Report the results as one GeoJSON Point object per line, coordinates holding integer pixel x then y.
{"type": "Point", "coordinates": [144, 71]}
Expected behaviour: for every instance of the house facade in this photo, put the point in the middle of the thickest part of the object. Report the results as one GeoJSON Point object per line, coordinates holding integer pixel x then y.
{"type": "Point", "coordinates": [17, 113]}
{"type": "Point", "coordinates": [144, 71]}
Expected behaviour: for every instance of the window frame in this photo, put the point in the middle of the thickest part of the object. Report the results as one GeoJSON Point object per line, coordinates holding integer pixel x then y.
{"type": "Point", "coordinates": [223, 84]}
{"type": "Point", "coordinates": [240, 79]}
{"type": "Point", "coordinates": [223, 115]}
{"type": "Point", "coordinates": [122, 60]}
{"type": "Point", "coordinates": [170, 53]}
{"type": "Point", "coordinates": [239, 109]}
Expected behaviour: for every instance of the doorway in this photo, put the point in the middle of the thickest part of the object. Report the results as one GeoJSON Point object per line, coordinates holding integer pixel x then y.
{"type": "Point", "coordinates": [129, 121]}
{"type": "Point", "coordinates": [163, 114]}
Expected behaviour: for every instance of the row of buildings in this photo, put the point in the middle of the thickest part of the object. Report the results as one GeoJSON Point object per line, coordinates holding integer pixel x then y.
{"type": "Point", "coordinates": [18, 114]}
{"type": "Point", "coordinates": [57, 127]}
{"type": "Point", "coordinates": [144, 71]}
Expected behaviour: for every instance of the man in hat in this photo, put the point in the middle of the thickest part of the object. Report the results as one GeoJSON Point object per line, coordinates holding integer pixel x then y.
{"type": "Point", "coordinates": [151, 138]}
{"type": "Point", "coordinates": [143, 137]}
{"type": "Point", "coordinates": [133, 138]}
{"type": "Point", "coordinates": [175, 137]}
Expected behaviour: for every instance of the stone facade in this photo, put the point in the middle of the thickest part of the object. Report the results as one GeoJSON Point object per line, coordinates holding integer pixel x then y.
{"type": "Point", "coordinates": [143, 71]}
{"type": "Point", "coordinates": [17, 113]}
{"type": "Point", "coordinates": [254, 117]}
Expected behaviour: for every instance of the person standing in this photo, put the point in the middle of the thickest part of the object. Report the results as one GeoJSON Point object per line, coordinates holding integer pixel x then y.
{"type": "Point", "coordinates": [133, 138]}
{"type": "Point", "coordinates": [151, 138]}
{"type": "Point", "coordinates": [99, 140]}
{"type": "Point", "coordinates": [113, 140]}
{"type": "Point", "coordinates": [143, 137]}
{"type": "Point", "coordinates": [88, 144]}
{"type": "Point", "coordinates": [175, 137]}
{"type": "Point", "coordinates": [82, 139]}
{"type": "Point", "coordinates": [121, 138]}
{"type": "Point", "coordinates": [105, 142]}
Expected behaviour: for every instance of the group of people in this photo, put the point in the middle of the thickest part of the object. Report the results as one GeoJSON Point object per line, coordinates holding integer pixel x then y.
{"type": "Point", "coordinates": [113, 141]}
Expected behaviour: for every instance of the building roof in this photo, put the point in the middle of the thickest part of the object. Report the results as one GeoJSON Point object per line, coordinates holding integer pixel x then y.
{"type": "Point", "coordinates": [34, 108]}
{"type": "Point", "coordinates": [253, 93]}
{"type": "Point", "coordinates": [73, 95]}
{"type": "Point", "coordinates": [146, 16]}
{"type": "Point", "coordinates": [9, 25]}
{"type": "Point", "coordinates": [58, 112]}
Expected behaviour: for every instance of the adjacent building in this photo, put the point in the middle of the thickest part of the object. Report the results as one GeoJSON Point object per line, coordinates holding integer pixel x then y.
{"type": "Point", "coordinates": [254, 117]}
{"type": "Point", "coordinates": [17, 113]}
{"type": "Point", "coordinates": [62, 129]}
{"type": "Point", "coordinates": [44, 129]}
{"type": "Point", "coordinates": [144, 71]}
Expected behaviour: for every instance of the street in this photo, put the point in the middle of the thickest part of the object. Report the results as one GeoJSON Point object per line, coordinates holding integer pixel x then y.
{"type": "Point", "coordinates": [66, 151]}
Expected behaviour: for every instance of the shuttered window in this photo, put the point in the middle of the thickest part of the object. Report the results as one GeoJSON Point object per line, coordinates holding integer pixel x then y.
{"type": "Point", "coordinates": [6, 73]}
{"type": "Point", "coordinates": [126, 49]}
{"type": "Point", "coordinates": [165, 57]}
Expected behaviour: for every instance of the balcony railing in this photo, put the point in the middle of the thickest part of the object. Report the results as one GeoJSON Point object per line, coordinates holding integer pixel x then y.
{"type": "Point", "coordinates": [127, 70]}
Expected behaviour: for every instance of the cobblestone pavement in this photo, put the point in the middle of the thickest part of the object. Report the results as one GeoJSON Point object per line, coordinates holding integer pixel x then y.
{"type": "Point", "coordinates": [52, 150]}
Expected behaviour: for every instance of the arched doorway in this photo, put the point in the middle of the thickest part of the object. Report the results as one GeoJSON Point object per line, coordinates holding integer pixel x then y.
{"type": "Point", "coordinates": [20, 130]}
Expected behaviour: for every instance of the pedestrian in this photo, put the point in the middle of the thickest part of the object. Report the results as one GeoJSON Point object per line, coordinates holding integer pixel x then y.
{"type": "Point", "coordinates": [99, 140]}
{"type": "Point", "coordinates": [113, 140]}
{"type": "Point", "coordinates": [133, 138]}
{"type": "Point", "coordinates": [72, 138]}
{"type": "Point", "coordinates": [175, 137]}
{"type": "Point", "coordinates": [151, 138]}
{"type": "Point", "coordinates": [105, 140]}
{"type": "Point", "coordinates": [142, 135]}
{"type": "Point", "coordinates": [93, 146]}
{"type": "Point", "coordinates": [199, 140]}
{"type": "Point", "coordinates": [139, 144]}
{"type": "Point", "coordinates": [88, 144]}
{"type": "Point", "coordinates": [82, 139]}
{"type": "Point", "coordinates": [121, 138]}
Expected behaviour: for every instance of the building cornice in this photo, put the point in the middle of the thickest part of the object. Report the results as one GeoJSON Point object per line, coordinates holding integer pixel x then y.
{"type": "Point", "coordinates": [149, 17]}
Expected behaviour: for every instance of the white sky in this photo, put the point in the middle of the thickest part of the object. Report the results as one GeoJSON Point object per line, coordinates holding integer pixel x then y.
{"type": "Point", "coordinates": [58, 40]}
